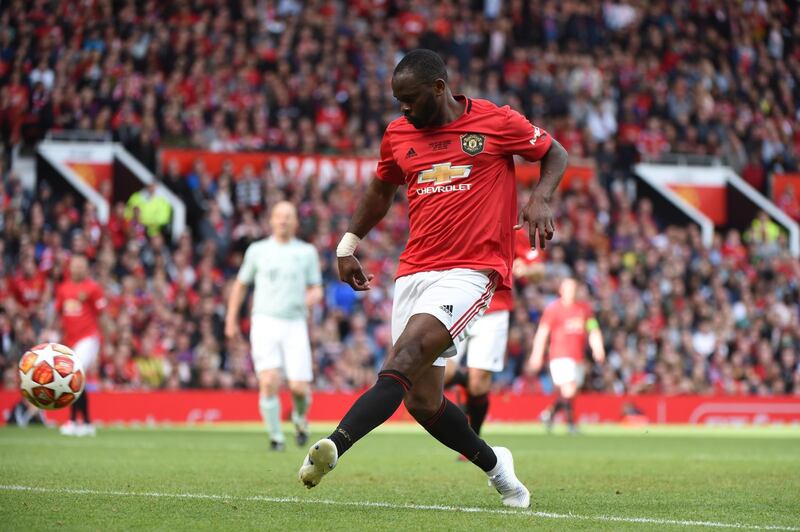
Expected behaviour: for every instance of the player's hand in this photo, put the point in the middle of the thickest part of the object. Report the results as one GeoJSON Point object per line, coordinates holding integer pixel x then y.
{"type": "Point", "coordinates": [533, 367]}
{"type": "Point", "coordinates": [539, 216]}
{"type": "Point", "coordinates": [350, 272]}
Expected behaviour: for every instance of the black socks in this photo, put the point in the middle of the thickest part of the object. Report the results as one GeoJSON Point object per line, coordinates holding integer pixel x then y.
{"type": "Point", "coordinates": [375, 406]}
{"type": "Point", "coordinates": [449, 425]}
{"type": "Point", "coordinates": [477, 407]}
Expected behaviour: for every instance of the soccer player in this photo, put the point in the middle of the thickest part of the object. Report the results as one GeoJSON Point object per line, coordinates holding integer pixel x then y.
{"type": "Point", "coordinates": [485, 345]}
{"type": "Point", "coordinates": [80, 304]}
{"type": "Point", "coordinates": [455, 156]}
{"type": "Point", "coordinates": [567, 322]}
{"type": "Point", "coordinates": [288, 281]}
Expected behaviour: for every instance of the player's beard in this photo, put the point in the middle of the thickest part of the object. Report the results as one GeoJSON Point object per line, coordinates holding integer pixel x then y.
{"type": "Point", "coordinates": [424, 116]}
{"type": "Point", "coordinates": [414, 121]}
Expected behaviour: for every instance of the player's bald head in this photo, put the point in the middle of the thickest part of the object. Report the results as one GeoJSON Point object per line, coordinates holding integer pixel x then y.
{"type": "Point", "coordinates": [284, 208]}
{"type": "Point", "coordinates": [422, 66]}
{"type": "Point", "coordinates": [568, 289]}
{"type": "Point", "coordinates": [283, 220]}
{"type": "Point", "coordinates": [78, 267]}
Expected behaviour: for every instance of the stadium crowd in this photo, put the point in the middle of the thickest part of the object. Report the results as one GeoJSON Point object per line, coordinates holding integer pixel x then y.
{"type": "Point", "coordinates": [614, 82]}
{"type": "Point", "coordinates": [636, 79]}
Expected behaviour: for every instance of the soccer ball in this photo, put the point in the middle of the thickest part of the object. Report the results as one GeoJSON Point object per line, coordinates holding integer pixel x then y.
{"type": "Point", "coordinates": [52, 376]}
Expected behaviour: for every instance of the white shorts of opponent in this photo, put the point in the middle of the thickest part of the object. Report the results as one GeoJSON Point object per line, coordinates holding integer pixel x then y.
{"type": "Point", "coordinates": [279, 343]}
{"type": "Point", "coordinates": [87, 349]}
{"type": "Point", "coordinates": [564, 370]}
{"type": "Point", "coordinates": [486, 342]}
{"type": "Point", "coordinates": [457, 298]}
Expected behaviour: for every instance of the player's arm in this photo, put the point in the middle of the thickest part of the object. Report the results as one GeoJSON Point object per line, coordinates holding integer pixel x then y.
{"type": "Point", "coordinates": [238, 290]}
{"type": "Point", "coordinates": [100, 307]}
{"type": "Point", "coordinates": [538, 212]}
{"type": "Point", "coordinates": [522, 138]}
{"type": "Point", "coordinates": [313, 295]}
{"type": "Point", "coordinates": [314, 291]}
{"type": "Point", "coordinates": [235, 298]}
{"type": "Point", "coordinates": [596, 340]}
{"type": "Point", "coordinates": [537, 352]}
{"type": "Point", "coordinates": [371, 209]}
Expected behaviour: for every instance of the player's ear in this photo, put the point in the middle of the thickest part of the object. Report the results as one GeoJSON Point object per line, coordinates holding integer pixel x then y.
{"type": "Point", "coordinates": [439, 87]}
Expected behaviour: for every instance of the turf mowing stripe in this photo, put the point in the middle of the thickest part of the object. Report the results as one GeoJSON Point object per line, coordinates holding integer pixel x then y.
{"type": "Point", "coordinates": [392, 506]}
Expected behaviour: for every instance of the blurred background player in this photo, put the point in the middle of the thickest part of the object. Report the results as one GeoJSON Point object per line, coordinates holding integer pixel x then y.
{"type": "Point", "coordinates": [288, 281]}
{"type": "Point", "coordinates": [485, 347]}
{"type": "Point", "coordinates": [80, 303]}
{"type": "Point", "coordinates": [567, 322]}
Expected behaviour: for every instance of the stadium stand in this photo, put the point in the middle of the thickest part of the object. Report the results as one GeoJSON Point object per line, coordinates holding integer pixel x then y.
{"type": "Point", "coordinates": [615, 83]}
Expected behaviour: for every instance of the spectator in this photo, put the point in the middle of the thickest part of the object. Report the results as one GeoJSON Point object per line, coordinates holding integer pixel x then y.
{"type": "Point", "coordinates": [619, 83]}
{"type": "Point", "coordinates": [154, 209]}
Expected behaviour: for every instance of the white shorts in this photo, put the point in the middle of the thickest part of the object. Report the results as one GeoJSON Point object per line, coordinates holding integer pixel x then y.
{"type": "Point", "coordinates": [486, 342]}
{"type": "Point", "coordinates": [279, 343]}
{"type": "Point", "coordinates": [457, 298]}
{"type": "Point", "coordinates": [87, 349]}
{"type": "Point", "coordinates": [564, 370]}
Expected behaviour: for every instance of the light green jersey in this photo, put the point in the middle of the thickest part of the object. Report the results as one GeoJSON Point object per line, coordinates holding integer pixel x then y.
{"type": "Point", "coordinates": [281, 273]}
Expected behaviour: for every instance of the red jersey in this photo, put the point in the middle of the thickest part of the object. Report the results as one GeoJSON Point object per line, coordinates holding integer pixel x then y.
{"type": "Point", "coordinates": [461, 186]}
{"type": "Point", "coordinates": [79, 304]}
{"type": "Point", "coordinates": [28, 291]}
{"type": "Point", "coordinates": [567, 329]}
{"type": "Point", "coordinates": [503, 299]}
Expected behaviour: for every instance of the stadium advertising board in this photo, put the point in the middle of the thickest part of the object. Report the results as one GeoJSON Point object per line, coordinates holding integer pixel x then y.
{"type": "Point", "coordinates": [786, 193]}
{"type": "Point", "coordinates": [92, 163]}
{"type": "Point", "coordinates": [298, 167]}
{"type": "Point", "coordinates": [198, 406]}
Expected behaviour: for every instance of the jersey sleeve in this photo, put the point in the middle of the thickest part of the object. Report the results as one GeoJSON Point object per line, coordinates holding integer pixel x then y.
{"type": "Point", "coordinates": [547, 317]}
{"type": "Point", "coordinates": [388, 169]}
{"type": "Point", "coordinates": [100, 301]}
{"type": "Point", "coordinates": [313, 274]}
{"type": "Point", "coordinates": [522, 138]}
{"type": "Point", "coordinates": [248, 270]}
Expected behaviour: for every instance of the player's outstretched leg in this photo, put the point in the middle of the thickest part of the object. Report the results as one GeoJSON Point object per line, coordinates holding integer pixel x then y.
{"type": "Point", "coordinates": [374, 407]}
{"type": "Point", "coordinates": [321, 458]}
{"type": "Point", "coordinates": [418, 346]}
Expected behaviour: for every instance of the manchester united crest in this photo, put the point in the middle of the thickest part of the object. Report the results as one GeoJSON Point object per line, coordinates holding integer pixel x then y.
{"type": "Point", "coordinates": [472, 143]}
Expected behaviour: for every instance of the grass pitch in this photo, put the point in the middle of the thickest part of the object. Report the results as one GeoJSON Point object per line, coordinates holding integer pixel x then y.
{"type": "Point", "coordinates": [398, 478]}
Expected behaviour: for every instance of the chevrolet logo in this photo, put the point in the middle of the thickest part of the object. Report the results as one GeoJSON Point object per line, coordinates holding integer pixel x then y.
{"type": "Point", "coordinates": [444, 173]}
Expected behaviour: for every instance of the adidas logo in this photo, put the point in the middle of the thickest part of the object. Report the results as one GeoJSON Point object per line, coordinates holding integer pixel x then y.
{"type": "Point", "coordinates": [411, 153]}
{"type": "Point", "coordinates": [448, 309]}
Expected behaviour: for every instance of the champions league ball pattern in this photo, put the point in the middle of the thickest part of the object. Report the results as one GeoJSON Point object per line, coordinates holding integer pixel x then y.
{"type": "Point", "coordinates": [51, 376]}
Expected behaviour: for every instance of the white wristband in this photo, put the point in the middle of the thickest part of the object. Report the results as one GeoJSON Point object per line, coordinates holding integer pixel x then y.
{"type": "Point", "coordinates": [347, 245]}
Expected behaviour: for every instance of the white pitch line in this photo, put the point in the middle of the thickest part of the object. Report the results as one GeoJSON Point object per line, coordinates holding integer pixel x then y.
{"type": "Point", "coordinates": [394, 506]}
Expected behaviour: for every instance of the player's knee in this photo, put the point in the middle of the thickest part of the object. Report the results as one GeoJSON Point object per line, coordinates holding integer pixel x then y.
{"type": "Point", "coordinates": [406, 358]}
{"type": "Point", "coordinates": [299, 388]}
{"type": "Point", "coordinates": [268, 384]}
{"type": "Point", "coordinates": [422, 408]}
{"type": "Point", "coordinates": [480, 382]}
